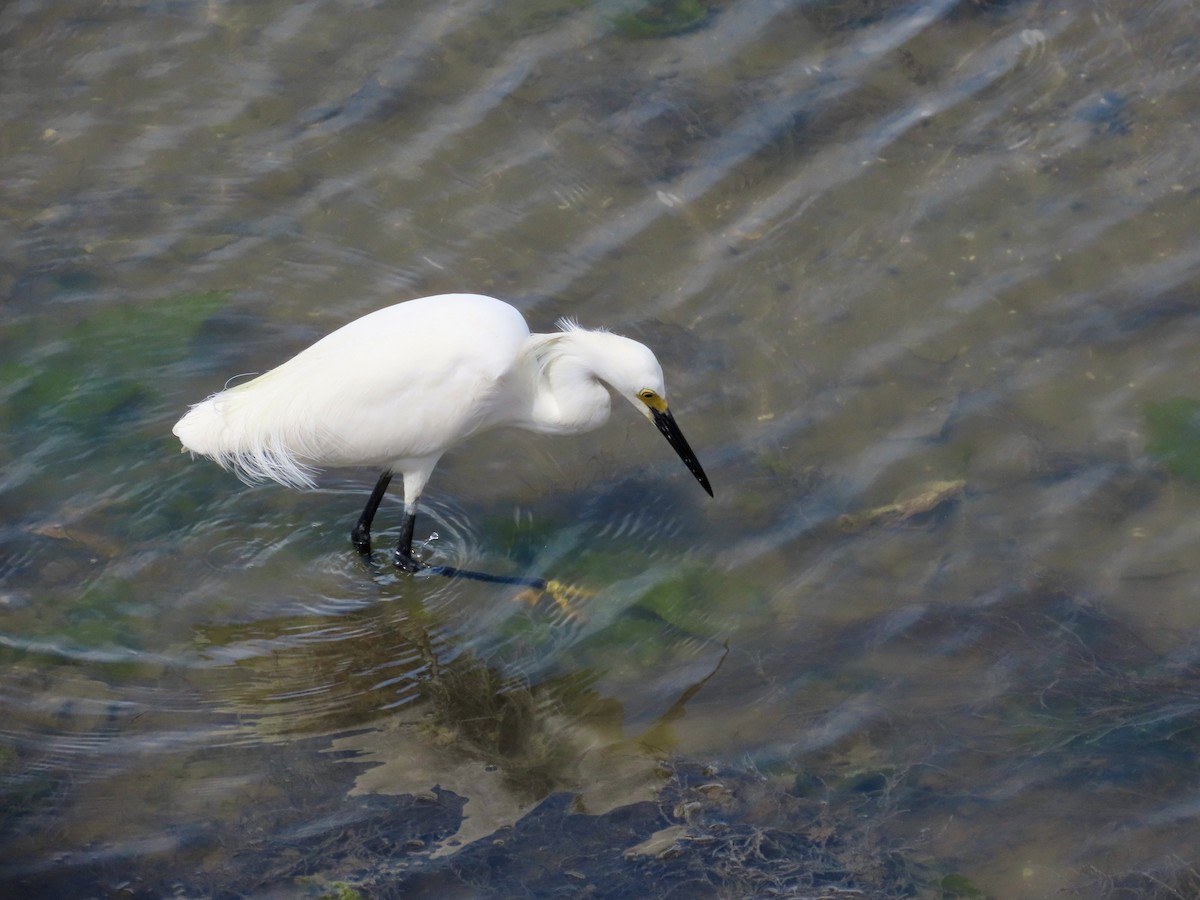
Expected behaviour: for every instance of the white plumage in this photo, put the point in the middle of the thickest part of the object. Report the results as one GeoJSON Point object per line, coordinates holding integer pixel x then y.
{"type": "Point", "coordinates": [398, 387]}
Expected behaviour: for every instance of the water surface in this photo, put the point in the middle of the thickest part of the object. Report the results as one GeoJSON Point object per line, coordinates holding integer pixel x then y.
{"type": "Point", "coordinates": [923, 278]}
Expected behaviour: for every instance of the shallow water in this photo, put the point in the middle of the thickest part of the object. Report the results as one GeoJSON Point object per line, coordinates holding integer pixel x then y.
{"type": "Point", "coordinates": [878, 247]}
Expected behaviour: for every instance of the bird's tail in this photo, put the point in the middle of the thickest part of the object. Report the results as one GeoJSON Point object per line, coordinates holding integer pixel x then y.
{"type": "Point", "coordinates": [228, 430]}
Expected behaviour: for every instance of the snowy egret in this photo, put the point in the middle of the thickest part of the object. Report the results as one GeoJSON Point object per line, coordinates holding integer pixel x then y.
{"type": "Point", "coordinates": [399, 387]}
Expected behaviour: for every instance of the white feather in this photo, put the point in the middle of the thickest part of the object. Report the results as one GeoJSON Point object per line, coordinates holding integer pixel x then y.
{"type": "Point", "coordinates": [398, 387]}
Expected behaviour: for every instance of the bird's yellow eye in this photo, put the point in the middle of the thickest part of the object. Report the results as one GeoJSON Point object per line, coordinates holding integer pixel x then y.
{"type": "Point", "coordinates": [652, 400]}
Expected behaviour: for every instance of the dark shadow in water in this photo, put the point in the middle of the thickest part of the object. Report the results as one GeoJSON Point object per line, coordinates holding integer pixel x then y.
{"type": "Point", "coordinates": [560, 592]}
{"type": "Point", "coordinates": [706, 832]}
{"type": "Point", "coordinates": [538, 584]}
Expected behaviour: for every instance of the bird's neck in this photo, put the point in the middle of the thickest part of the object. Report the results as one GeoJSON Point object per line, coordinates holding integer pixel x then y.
{"type": "Point", "coordinates": [568, 396]}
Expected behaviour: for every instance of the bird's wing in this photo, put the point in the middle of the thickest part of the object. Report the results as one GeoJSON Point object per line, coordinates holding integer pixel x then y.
{"type": "Point", "coordinates": [417, 385]}
{"type": "Point", "coordinates": [405, 382]}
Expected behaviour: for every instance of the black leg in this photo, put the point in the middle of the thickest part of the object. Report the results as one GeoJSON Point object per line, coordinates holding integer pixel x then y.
{"type": "Point", "coordinates": [404, 557]}
{"type": "Point", "coordinates": [361, 535]}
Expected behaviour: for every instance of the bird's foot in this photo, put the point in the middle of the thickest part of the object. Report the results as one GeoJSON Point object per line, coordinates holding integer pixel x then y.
{"type": "Point", "coordinates": [361, 541]}
{"type": "Point", "coordinates": [563, 596]}
{"type": "Point", "coordinates": [406, 563]}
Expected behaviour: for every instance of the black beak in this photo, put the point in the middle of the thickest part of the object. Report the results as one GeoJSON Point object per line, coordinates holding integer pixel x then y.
{"type": "Point", "coordinates": [666, 424]}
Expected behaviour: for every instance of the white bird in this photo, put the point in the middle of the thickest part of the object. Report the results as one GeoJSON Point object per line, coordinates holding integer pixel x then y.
{"type": "Point", "coordinates": [399, 387]}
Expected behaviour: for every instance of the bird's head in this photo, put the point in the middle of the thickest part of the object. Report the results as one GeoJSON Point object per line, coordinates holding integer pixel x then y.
{"type": "Point", "coordinates": [632, 370]}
